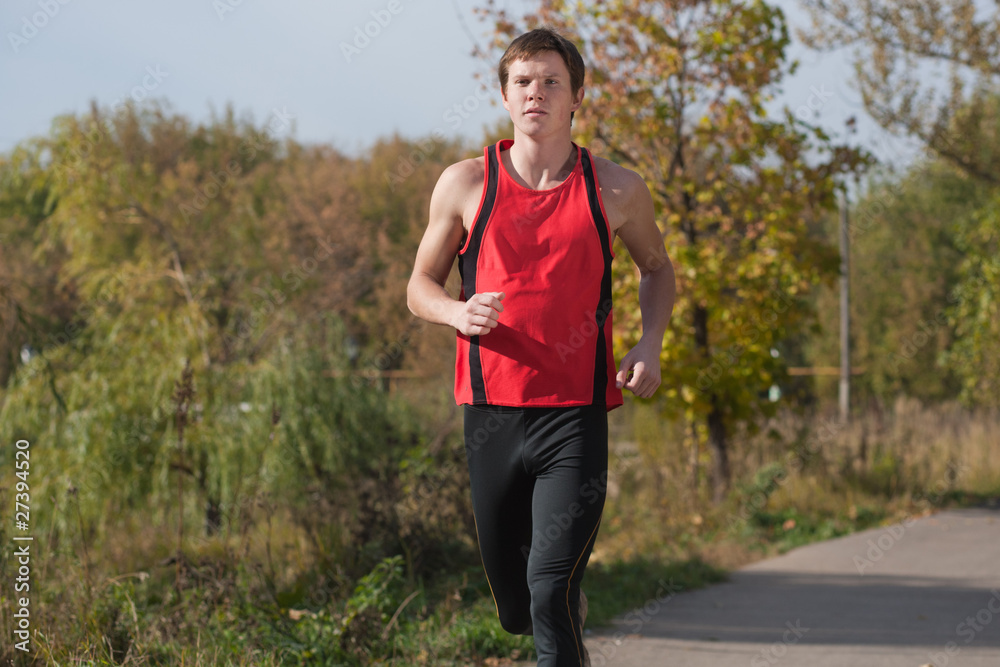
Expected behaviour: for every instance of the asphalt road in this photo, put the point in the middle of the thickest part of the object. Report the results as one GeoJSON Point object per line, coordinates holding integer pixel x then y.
{"type": "Point", "coordinates": [922, 592]}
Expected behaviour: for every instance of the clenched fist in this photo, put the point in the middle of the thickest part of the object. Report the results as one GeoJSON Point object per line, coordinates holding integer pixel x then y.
{"type": "Point", "coordinates": [479, 314]}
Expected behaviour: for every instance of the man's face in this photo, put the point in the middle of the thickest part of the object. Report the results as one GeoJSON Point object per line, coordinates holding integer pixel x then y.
{"type": "Point", "coordinates": [539, 96]}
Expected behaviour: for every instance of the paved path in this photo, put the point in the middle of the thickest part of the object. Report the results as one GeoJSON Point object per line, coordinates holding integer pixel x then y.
{"type": "Point", "coordinates": [923, 592]}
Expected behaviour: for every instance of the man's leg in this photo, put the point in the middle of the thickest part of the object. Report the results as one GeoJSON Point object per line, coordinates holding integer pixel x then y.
{"type": "Point", "coordinates": [568, 451]}
{"type": "Point", "coordinates": [501, 501]}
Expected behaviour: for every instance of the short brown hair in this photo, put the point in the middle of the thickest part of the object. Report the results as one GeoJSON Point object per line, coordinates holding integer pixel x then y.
{"type": "Point", "coordinates": [534, 42]}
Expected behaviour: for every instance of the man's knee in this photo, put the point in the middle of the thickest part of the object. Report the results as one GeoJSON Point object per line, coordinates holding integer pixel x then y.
{"type": "Point", "coordinates": [515, 621]}
{"type": "Point", "coordinates": [549, 598]}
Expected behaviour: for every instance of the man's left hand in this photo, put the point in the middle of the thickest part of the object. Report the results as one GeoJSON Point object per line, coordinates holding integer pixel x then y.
{"type": "Point", "coordinates": [639, 371]}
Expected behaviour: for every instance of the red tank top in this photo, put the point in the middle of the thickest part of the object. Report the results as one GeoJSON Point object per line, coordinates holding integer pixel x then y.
{"type": "Point", "coordinates": [550, 252]}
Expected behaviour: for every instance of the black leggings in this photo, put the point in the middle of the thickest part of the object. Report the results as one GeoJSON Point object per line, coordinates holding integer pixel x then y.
{"type": "Point", "coordinates": [539, 479]}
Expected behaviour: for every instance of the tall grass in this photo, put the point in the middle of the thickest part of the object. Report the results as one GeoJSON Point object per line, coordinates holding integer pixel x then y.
{"type": "Point", "coordinates": [249, 492]}
{"type": "Point", "coordinates": [327, 523]}
{"type": "Point", "coordinates": [800, 478]}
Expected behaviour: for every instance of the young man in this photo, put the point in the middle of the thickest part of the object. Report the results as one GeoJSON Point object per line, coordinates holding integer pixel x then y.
{"type": "Point", "coordinates": [533, 223]}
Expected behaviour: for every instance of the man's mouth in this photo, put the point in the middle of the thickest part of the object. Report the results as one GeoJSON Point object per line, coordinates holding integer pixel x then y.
{"type": "Point", "coordinates": [534, 112]}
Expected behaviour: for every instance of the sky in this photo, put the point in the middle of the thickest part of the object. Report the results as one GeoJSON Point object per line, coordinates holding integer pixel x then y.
{"type": "Point", "coordinates": [342, 73]}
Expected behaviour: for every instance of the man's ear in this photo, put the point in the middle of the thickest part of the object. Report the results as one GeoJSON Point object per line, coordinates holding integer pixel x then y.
{"type": "Point", "coordinates": [578, 99]}
{"type": "Point", "coordinates": [503, 93]}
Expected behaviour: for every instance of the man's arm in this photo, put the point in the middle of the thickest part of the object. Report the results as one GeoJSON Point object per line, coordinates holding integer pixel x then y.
{"type": "Point", "coordinates": [657, 290]}
{"type": "Point", "coordinates": [426, 296]}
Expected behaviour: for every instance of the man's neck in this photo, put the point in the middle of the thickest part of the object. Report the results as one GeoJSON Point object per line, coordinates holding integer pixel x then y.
{"type": "Point", "coordinates": [542, 162]}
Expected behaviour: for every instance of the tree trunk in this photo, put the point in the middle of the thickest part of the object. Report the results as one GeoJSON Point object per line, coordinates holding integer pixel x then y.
{"type": "Point", "coordinates": [716, 426]}
{"type": "Point", "coordinates": [720, 455]}
{"type": "Point", "coordinates": [695, 453]}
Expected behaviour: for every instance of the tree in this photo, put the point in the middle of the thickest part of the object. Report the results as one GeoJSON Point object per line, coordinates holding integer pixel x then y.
{"type": "Point", "coordinates": [29, 298]}
{"type": "Point", "coordinates": [894, 44]}
{"type": "Point", "coordinates": [904, 265]}
{"type": "Point", "coordinates": [974, 310]}
{"type": "Point", "coordinates": [142, 241]}
{"type": "Point", "coordinates": [675, 91]}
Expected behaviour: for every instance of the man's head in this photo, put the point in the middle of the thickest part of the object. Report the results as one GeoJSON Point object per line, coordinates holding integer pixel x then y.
{"type": "Point", "coordinates": [537, 42]}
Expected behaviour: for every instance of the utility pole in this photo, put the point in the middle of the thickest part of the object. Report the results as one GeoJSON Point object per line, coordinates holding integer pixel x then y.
{"type": "Point", "coordinates": [845, 312]}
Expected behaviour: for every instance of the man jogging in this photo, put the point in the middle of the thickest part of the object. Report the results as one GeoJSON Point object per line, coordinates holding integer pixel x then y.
{"type": "Point", "coordinates": [532, 223]}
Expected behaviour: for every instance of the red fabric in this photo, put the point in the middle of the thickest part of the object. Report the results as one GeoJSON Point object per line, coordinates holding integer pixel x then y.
{"type": "Point", "coordinates": [542, 248]}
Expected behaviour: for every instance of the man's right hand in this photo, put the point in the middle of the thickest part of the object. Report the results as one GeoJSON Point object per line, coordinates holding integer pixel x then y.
{"type": "Point", "coordinates": [479, 313]}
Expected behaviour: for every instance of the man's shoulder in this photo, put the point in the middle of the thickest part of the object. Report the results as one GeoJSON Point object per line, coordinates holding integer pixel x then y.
{"type": "Point", "coordinates": [458, 189]}
{"type": "Point", "coordinates": [617, 179]}
{"type": "Point", "coordinates": [463, 174]}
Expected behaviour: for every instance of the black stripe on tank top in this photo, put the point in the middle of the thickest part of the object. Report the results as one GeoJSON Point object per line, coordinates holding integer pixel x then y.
{"type": "Point", "coordinates": [603, 308]}
{"type": "Point", "coordinates": [467, 269]}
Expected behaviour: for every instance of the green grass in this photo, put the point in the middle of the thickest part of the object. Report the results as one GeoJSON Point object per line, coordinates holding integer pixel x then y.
{"type": "Point", "coordinates": [448, 620]}
{"type": "Point", "coordinates": [264, 597]}
{"type": "Point", "coordinates": [632, 588]}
